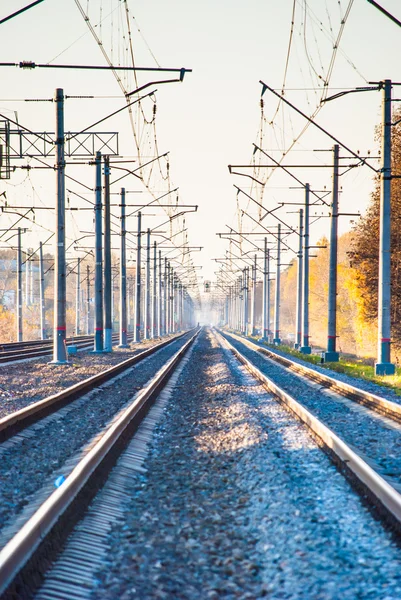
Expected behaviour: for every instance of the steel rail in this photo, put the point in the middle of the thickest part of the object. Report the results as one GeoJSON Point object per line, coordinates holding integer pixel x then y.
{"type": "Point", "coordinates": [16, 554]}
{"type": "Point", "coordinates": [385, 497]}
{"type": "Point", "coordinates": [46, 349]}
{"type": "Point", "coordinates": [9, 346]}
{"type": "Point", "coordinates": [32, 413]}
{"type": "Point", "coordinates": [381, 405]}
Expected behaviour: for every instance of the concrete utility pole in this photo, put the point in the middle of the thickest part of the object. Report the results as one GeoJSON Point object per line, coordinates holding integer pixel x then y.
{"type": "Point", "coordinates": [383, 365]}
{"type": "Point", "coordinates": [108, 326]}
{"type": "Point", "coordinates": [265, 315]}
{"type": "Point", "coordinates": [137, 334]}
{"type": "Point", "coordinates": [244, 299]}
{"type": "Point", "coordinates": [98, 257]}
{"type": "Point", "coordinates": [276, 339]}
{"type": "Point", "coordinates": [165, 294]}
{"type": "Point", "coordinates": [160, 300]}
{"type": "Point", "coordinates": [42, 294]}
{"type": "Point", "coordinates": [123, 276]}
{"type": "Point", "coordinates": [176, 303]}
{"type": "Point", "coordinates": [168, 292]}
{"type": "Point", "coordinates": [253, 307]}
{"type": "Point", "coordinates": [27, 278]}
{"type": "Point", "coordinates": [31, 296]}
{"type": "Point", "coordinates": [154, 301]}
{"type": "Point", "coordinates": [305, 348]}
{"type": "Point", "coordinates": [331, 355]}
{"type": "Point", "coordinates": [180, 305]}
{"type": "Point", "coordinates": [172, 277]}
{"type": "Point", "coordinates": [88, 300]}
{"type": "Point", "coordinates": [239, 297]}
{"type": "Point", "coordinates": [298, 318]}
{"type": "Point", "coordinates": [147, 288]}
{"type": "Point", "coordinates": [59, 333]}
{"type": "Point", "coordinates": [19, 289]}
{"type": "Point", "coordinates": [78, 299]}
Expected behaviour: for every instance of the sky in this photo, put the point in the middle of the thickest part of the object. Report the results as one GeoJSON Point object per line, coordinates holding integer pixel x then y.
{"type": "Point", "coordinates": [211, 119]}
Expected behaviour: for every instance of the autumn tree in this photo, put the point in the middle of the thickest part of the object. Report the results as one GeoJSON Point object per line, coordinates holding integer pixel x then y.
{"type": "Point", "coordinates": [365, 248]}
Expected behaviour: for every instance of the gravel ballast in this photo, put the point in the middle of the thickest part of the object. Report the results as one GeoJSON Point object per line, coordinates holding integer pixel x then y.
{"type": "Point", "coordinates": [36, 457]}
{"type": "Point", "coordinates": [363, 384]}
{"type": "Point", "coordinates": [239, 502]}
{"type": "Point", "coordinates": [374, 437]}
{"type": "Point", "coordinates": [26, 382]}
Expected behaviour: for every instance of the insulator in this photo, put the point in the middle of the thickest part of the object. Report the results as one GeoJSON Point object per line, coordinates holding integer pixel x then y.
{"type": "Point", "coordinates": [27, 64]}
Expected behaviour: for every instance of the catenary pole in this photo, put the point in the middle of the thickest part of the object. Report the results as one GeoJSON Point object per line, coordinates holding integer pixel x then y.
{"type": "Point", "coordinates": [107, 298]}
{"type": "Point", "coordinates": [147, 288]}
{"type": "Point", "coordinates": [276, 339]}
{"type": "Point", "coordinates": [137, 335]}
{"type": "Point", "coordinates": [265, 324]}
{"type": "Point", "coordinates": [123, 275]}
{"type": "Point", "coordinates": [19, 289]}
{"type": "Point", "coordinates": [253, 306]}
{"type": "Point", "coordinates": [332, 355]}
{"type": "Point", "coordinates": [42, 294]}
{"type": "Point", "coordinates": [383, 365]}
{"type": "Point", "coordinates": [27, 278]}
{"type": "Point", "coordinates": [154, 299]}
{"type": "Point", "coordinates": [98, 347]}
{"type": "Point", "coordinates": [31, 296]}
{"type": "Point", "coordinates": [305, 348]}
{"type": "Point", "coordinates": [298, 319]}
{"type": "Point", "coordinates": [59, 333]}
{"type": "Point", "coordinates": [78, 299]}
{"type": "Point", "coordinates": [168, 298]}
{"type": "Point", "coordinates": [165, 294]}
{"type": "Point", "coordinates": [88, 299]}
{"type": "Point", "coordinates": [160, 299]}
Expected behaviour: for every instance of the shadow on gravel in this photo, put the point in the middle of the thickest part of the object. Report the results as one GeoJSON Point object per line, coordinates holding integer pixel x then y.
{"type": "Point", "coordinates": [239, 502]}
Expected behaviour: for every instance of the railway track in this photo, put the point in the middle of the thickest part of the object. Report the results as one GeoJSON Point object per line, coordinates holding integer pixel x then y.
{"type": "Point", "coordinates": [369, 399]}
{"type": "Point", "coordinates": [73, 573]}
{"type": "Point", "coordinates": [30, 548]}
{"type": "Point", "coordinates": [360, 430]}
{"type": "Point", "coordinates": [36, 349]}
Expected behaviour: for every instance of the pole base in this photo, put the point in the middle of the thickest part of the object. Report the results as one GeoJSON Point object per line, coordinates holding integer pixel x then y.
{"type": "Point", "coordinates": [123, 346]}
{"type": "Point", "coordinates": [276, 341]}
{"type": "Point", "coordinates": [384, 369]}
{"type": "Point", "coordinates": [305, 349]}
{"type": "Point", "coordinates": [57, 363]}
{"type": "Point", "coordinates": [330, 356]}
{"type": "Point", "coordinates": [107, 340]}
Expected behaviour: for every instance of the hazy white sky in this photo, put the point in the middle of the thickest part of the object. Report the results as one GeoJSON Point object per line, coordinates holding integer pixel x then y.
{"type": "Point", "coordinates": [213, 117]}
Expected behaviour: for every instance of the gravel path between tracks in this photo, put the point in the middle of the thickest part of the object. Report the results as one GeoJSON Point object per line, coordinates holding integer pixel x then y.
{"type": "Point", "coordinates": [239, 502]}
{"type": "Point", "coordinates": [30, 461]}
{"type": "Point", "coordinates": [27, 382]}
{"type": "Point", "coordinates": [377, 439]}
